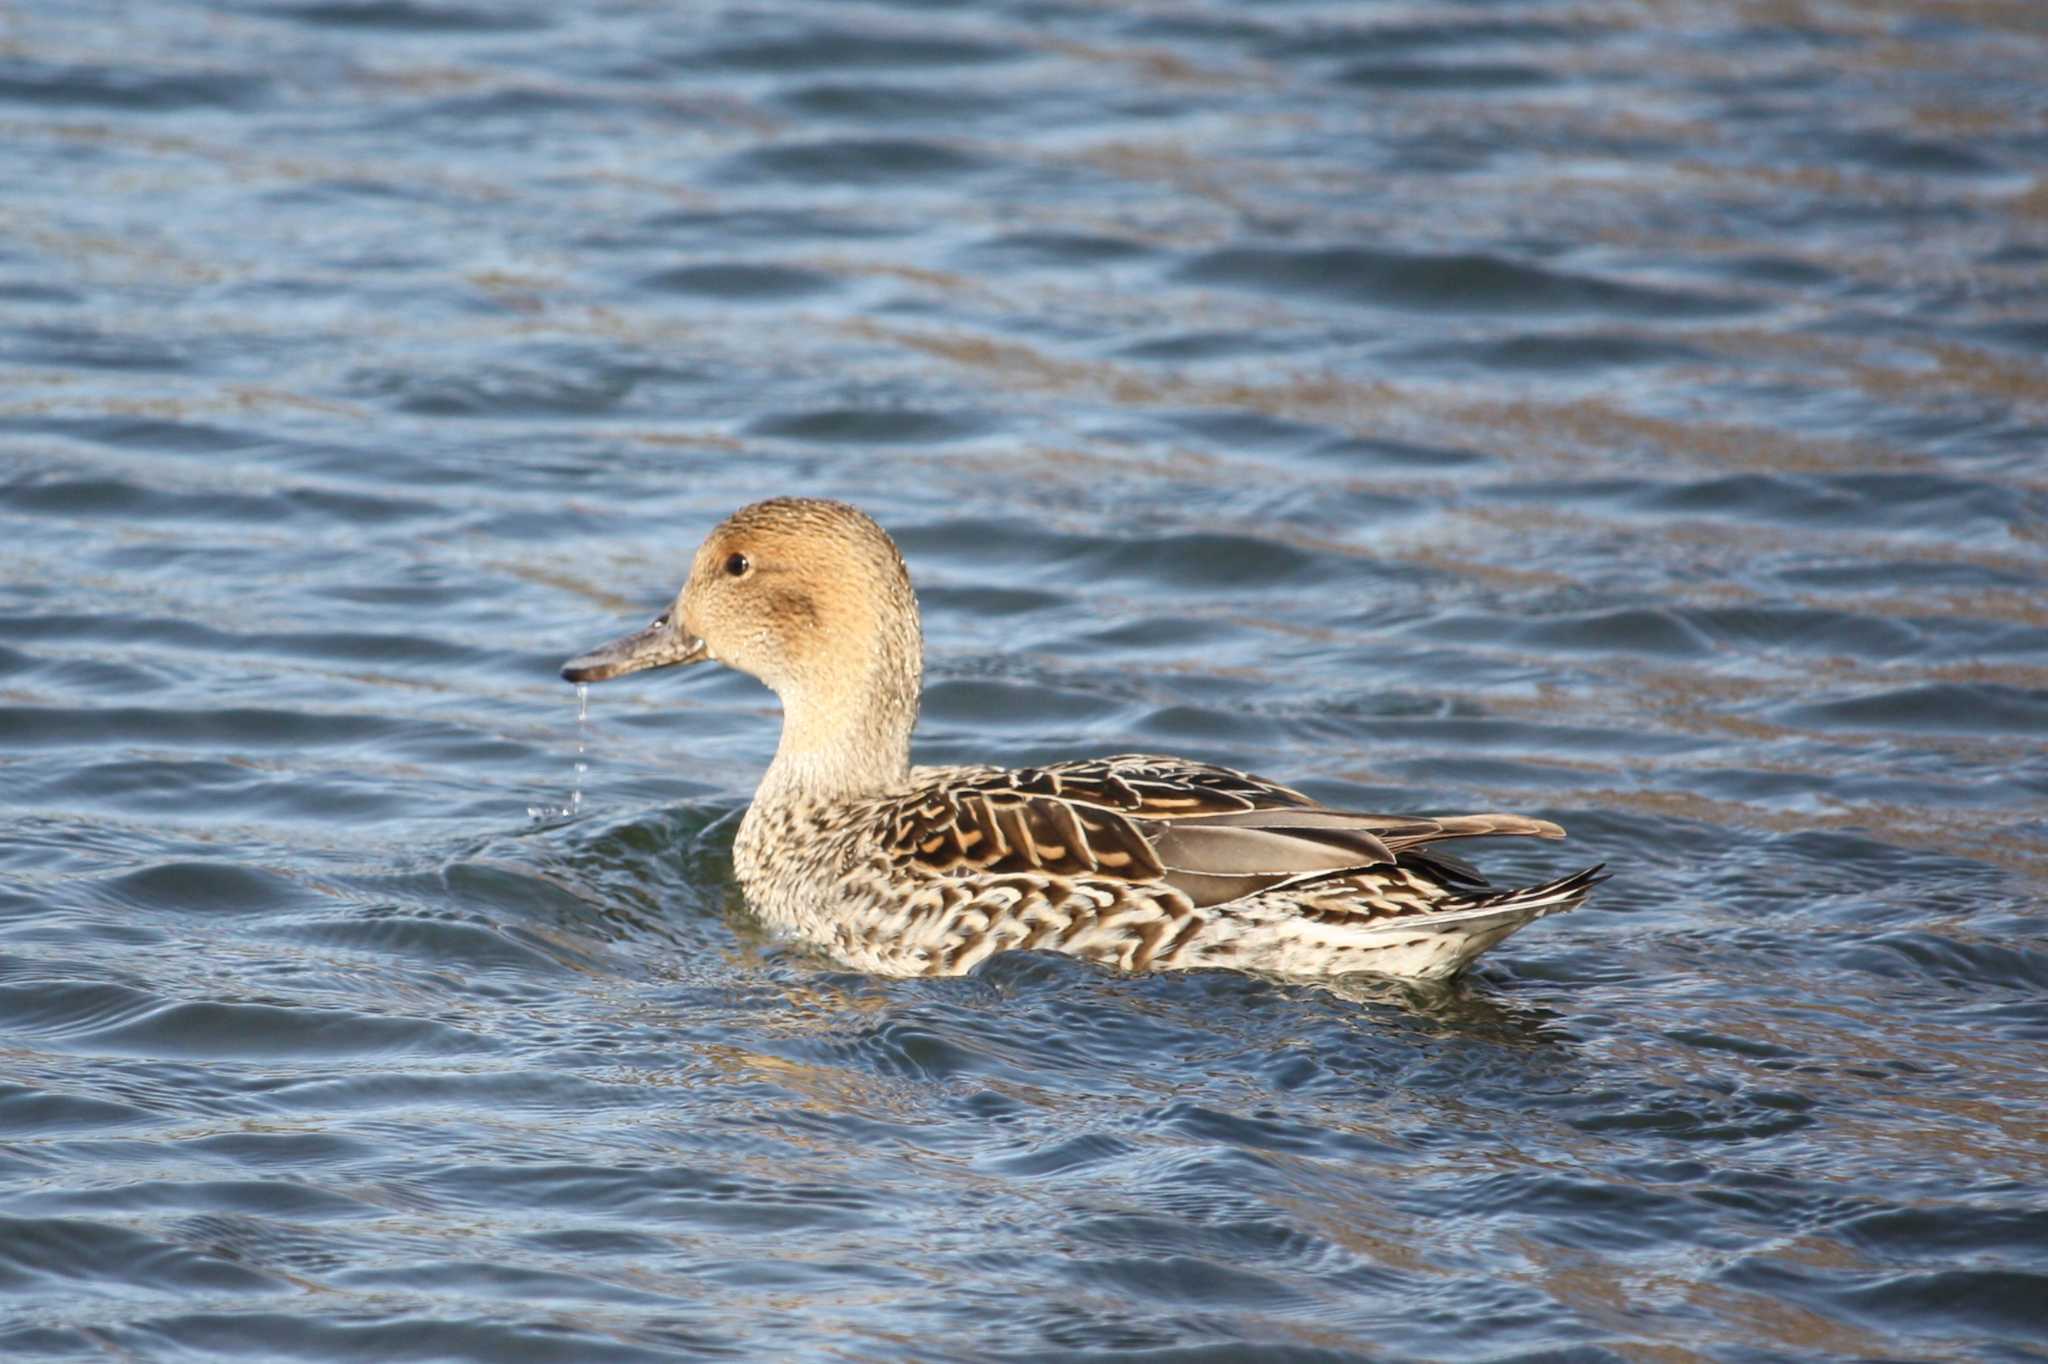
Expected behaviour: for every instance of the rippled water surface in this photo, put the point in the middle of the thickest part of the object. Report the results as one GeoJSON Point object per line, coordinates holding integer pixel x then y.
{"type": "Point", "coordinates": [1634, 414]}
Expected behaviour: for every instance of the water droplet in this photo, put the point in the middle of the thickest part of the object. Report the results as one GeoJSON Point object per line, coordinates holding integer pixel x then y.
{"type": "Point", "coordinates": [582, 765]}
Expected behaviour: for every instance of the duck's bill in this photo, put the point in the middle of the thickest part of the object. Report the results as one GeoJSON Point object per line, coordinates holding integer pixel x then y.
{"type": "Point", "coordinates": [664, 644]}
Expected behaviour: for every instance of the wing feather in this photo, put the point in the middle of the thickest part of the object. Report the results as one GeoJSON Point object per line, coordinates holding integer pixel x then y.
{"type": "Point", "coordinates": [1212, 833]}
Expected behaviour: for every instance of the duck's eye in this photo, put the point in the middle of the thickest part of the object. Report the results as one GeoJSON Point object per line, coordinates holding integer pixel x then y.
{"type": "Point", "coordinates": [737, 566]}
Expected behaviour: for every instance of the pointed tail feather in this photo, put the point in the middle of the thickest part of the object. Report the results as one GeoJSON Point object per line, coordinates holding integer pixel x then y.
{"type": "Point", "coordinates": [1435, 946]}
{"type": "Point", "coordinates": [1525, 903]}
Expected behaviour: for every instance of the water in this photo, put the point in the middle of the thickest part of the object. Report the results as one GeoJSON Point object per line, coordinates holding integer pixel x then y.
{"type": "Point", "coordinates": [1630, 415]}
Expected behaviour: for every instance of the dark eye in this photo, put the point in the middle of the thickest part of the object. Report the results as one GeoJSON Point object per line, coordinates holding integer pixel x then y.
{"type": "Point", "coordinates": [737, 566]}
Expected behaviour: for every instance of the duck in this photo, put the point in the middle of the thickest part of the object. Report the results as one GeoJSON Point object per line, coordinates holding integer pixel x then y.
{"type": "Point", "coordinates": [1137, 861]}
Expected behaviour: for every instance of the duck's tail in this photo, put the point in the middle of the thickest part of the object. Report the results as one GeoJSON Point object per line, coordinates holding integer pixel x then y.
{"type": "Point", "coordinates": [1443, 943]}
{"type": "Point", "coordinates": [1531, 902]}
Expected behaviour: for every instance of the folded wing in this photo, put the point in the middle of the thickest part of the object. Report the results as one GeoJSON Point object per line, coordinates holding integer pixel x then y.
{"type": "Point", "coordinates": [1211, 833]}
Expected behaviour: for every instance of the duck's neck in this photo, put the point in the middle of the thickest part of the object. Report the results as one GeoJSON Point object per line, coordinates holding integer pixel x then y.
{"type": "Point", "coordinates": [847, 735]}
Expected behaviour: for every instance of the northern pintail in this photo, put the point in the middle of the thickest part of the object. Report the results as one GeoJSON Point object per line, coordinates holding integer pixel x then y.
{"type": "Point", "coordinates": [1136, 861]}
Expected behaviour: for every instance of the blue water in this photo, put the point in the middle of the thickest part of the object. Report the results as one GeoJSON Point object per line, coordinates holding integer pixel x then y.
{"type": "Point", "coordinates": [1632, 416]}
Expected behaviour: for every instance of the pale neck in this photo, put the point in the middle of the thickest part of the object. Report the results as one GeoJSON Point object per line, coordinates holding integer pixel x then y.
{"type": "Point", "coordinates": [848, 738]}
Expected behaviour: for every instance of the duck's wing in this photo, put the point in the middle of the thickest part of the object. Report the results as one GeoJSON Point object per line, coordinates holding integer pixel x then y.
{"type": "Point", "coordinates": [1153, 787]}
{"type": "Point", "coordinates": [1221, 857]}
{"type": "Point", "coordinates": [1209, 832]}
{"type": "Point", "coordinates": [981, 826]}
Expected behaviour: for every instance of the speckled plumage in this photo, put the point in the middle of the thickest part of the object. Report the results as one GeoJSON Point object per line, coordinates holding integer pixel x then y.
{"type": "Point", "coordinates": [1136, 861]}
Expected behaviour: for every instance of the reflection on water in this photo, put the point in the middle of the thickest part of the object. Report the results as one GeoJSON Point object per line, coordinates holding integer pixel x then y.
{"type": "Point", "coordinates": [1632, 416]}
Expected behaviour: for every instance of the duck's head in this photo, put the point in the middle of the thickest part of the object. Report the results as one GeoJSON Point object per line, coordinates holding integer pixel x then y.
{"type": "Point", "coordinates": [809, 596]}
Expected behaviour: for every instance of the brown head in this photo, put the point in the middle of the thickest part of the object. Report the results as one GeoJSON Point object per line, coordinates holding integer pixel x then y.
{"type": "Point", "coordinates": [812, 598]}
